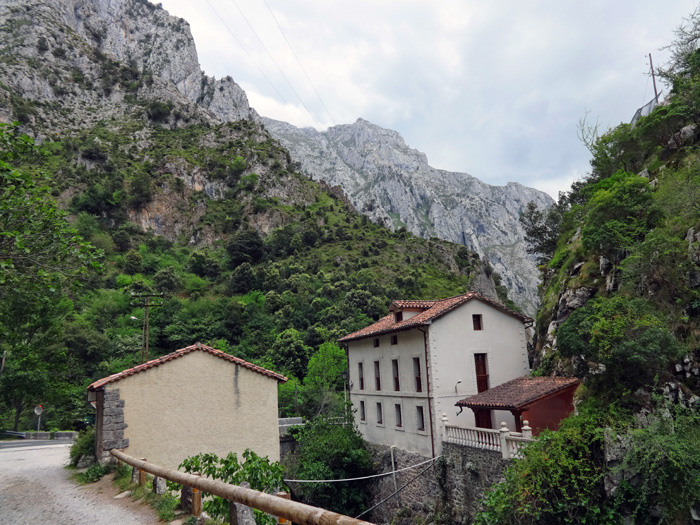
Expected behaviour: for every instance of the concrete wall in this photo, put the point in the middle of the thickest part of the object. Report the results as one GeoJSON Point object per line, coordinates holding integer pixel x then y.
{"type": "Point", "coordinates": [198, 403]}
{"type": "Point", "coordinates": [408, 436]}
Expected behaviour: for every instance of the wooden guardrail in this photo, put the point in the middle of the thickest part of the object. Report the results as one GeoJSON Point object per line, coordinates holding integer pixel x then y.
{"type": "Point", "coordinates": [291, 510]}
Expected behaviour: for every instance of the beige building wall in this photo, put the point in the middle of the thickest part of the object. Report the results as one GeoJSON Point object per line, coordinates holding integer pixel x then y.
{"type": "Point", "coordinates": [199, 403]}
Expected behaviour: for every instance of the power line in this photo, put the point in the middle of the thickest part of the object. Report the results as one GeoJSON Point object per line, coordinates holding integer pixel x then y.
{"type": "Point", "coordinates": [272, 58]}
{"type": "Point", "coordinates": [359, 479]}
{"type": "Point", "coordinates": [299, 62]}
{"type": "Point", "coordinates": [247, 53]}
{"type": "Point", "coordinates": [398, 490]}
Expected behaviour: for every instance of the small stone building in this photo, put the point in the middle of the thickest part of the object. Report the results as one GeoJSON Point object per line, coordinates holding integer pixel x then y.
{"type": "Point", "coordinates": [197, 399]}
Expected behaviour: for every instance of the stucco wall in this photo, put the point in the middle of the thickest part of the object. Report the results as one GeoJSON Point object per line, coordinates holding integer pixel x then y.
{"type": "Point", "coordinates": [408, 437]}
{"type": "Point", "coordinates": [452, 345]}
{"type": "Point", "coordinates": [199, 403]}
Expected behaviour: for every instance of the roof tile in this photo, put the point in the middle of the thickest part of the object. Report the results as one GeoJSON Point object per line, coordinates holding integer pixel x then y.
{"type": "Point", "coordinates": [179, 353]}
{"type": "Point", "coordinates": [517, 393]}
{"type": "Point", "coordinates": [431, 310]}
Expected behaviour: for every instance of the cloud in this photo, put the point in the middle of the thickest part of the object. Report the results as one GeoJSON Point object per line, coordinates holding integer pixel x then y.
{"type": "Point", "coordinates": [492, 89]}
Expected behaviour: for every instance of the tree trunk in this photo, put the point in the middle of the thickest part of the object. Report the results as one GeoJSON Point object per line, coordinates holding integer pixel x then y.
{"type": "Point", "coordinates": [18, 412]}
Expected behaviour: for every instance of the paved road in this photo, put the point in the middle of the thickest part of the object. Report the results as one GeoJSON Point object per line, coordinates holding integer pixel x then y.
{"type": "Point", "coordinates": [35, 488]}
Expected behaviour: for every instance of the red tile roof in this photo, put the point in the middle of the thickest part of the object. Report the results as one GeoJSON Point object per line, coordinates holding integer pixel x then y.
{"type": "Point", "coordinates": [179, 353]}
{"type": "Point", "coordinates": [431, 311]}
{"type": "Point", "coordinates": [518, 393]}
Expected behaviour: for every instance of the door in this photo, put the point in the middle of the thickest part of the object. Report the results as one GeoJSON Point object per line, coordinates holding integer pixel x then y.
{"type": "Point", "coordinates": [482, 376]}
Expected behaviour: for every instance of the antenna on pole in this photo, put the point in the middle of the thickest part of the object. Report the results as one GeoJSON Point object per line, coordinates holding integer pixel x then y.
{"type": "Point", "coordinates": [653, 77]}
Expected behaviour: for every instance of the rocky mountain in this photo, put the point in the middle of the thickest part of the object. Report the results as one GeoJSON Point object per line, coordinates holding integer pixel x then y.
{"type": "Point", "coordinates": [393, 184]}
{"type": "Point", "coordinates": [137, 132]}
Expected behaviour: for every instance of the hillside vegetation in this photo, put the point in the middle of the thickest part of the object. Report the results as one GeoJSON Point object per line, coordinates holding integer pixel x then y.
{"type": "Point", "coordinates": [620, 257]}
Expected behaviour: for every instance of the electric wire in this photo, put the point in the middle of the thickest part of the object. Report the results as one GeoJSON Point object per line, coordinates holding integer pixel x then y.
{"type": "Point", "coordinates": [397, 490]}
{"type": "Point", "coordinates": [247, 53]}
{"type": "Point", "coordinates": [300, 64]}
{"type": "Point", "coordinates": [359, 479]}
{"type": "Point", "coordinates": [271, 57]}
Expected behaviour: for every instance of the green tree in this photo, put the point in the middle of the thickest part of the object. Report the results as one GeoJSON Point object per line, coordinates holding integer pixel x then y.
{"type": "Point", "coordinates": [323, 384]}
{"type": "Point", "coordinates": [626, 336]}
{"type": "Point", "coordinates": [245, 246]}
{"type": "Point", "coordinates": [36, 241]}
{"type": "Point", "coordinates": [621, 213]}
{"type": "Point", "coordinates": [332, 450]}
{"type": "Point", "coordinates": [289, 354]}
{"type": "Point", "coordinates": [541, 230]}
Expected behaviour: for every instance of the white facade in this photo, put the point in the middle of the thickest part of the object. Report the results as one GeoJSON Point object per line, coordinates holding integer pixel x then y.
{"type": "Point", "coordinates": [448, 343]}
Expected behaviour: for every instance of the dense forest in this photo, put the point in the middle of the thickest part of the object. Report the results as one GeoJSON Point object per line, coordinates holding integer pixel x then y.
{"type": "Point", "coordinates": [278, 298]}
{"type": "Point", "coordinates": [620, 262]}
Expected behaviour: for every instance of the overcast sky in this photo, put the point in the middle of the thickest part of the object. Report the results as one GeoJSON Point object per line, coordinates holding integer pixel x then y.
{"type": "Point", "coordinates": [491, 88]}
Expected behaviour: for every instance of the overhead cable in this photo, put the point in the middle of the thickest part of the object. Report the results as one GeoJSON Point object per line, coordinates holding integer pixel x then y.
{"type": "Point", "coordinates": [300, 64]}
{"type": "Point", "coordinates": [359, 479]}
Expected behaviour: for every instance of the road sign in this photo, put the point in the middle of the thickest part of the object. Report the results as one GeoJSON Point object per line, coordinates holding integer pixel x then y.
{"type": "Point", "coordinates": [38, 410]}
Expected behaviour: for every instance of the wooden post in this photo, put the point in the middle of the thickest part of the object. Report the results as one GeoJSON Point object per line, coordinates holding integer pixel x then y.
{"type": "Point", "coordinates": [142, 475]}
{"type": "Point", "coordinates": [196, 499]}
{"type": "Point", "coordinates": [504, 433]}
{"type": "Point", "coordinates": [283, 495]}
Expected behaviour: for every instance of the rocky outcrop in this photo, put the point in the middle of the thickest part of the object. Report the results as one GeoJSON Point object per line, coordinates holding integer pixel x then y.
{"type": "Point", "coordinates": [392, 183]}
{"type": "Point", "coordinates": [99, 53]}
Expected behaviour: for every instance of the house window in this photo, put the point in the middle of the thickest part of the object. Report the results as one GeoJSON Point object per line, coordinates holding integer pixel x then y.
{"type": "Point", "coordinates": [482, 375]}
{"type": "Point", "coordinates": [376, 342]}
{"type": "Point", "coordinates": [379, 413]}
{"type": "Point", "coordinates": [397, 413]}
{"type": "Point", "coordinates": [398, 317]}
{"type": "Point", "coordinates": [361, 375]}
{"type": "Point", "coordinates": [394, 339]}
{"type": "Point", "coordinates": [377, 376]}
{"type": "Point", "coordinates": [417, 374]}
{"type": "Point", "coordinates": [476, 319]}
{"type": "Point", "coordinates": [362, 410]}
{"type": "Point", "coordinates": [395, 372]}
{"type": "Point", "coordinates": [420, 419]}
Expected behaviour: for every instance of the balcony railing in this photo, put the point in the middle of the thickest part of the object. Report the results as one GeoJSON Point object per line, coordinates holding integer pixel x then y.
{"type": "Point", "coordinates": [510, 444]}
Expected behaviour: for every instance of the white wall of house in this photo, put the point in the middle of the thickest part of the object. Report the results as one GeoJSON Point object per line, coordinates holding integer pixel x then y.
{"type": "Point", "coordinates": [409, 436]}
{"type": "Point", "coordinates": [452, 343]}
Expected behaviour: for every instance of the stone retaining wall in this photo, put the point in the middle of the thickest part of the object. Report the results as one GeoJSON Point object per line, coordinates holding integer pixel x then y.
{"type": "Point", "coordinates": [448, 492]}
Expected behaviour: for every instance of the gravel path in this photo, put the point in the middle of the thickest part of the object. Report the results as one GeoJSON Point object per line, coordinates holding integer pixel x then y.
{"type": "Point", "coordinates": [35, 488]}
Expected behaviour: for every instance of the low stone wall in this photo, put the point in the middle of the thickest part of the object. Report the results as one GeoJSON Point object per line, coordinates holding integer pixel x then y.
{"type": "Point", "coordinates": [448, 492]}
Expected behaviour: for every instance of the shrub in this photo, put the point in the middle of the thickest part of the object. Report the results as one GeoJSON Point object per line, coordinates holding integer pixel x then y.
{"type": "Point", "coordinates": [84, 446]}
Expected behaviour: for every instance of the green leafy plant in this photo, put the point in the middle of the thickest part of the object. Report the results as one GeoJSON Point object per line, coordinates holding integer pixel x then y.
{"type": "Point", "coordinates": [262, 475]}
{"type": "Point", "coordinates": [84, 445]}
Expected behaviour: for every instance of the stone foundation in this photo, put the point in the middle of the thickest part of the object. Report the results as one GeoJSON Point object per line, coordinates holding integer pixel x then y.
{"type": "Point", "coordinates": [448, 492]}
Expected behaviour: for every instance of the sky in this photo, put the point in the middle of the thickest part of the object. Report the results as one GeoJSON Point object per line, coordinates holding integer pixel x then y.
{"type": "Point", "coordinates": [493, 88]}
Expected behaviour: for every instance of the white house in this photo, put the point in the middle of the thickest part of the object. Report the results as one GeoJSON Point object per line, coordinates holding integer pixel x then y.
{"type": "Point", "coordinates": [413, 365]}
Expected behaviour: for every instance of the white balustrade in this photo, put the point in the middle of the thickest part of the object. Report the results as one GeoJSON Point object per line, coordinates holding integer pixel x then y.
{"type": "Point", "coordinates": [507, 442]}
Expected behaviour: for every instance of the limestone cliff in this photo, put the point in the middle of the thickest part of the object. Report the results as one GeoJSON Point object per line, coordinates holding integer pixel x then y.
{"type": "Point", "coordinates": [392, 183]}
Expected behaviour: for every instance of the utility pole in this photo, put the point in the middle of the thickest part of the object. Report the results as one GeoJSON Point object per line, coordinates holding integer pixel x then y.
{"type": "Point", "coordinates": [653, 77]}
{"type": "Point", "coordinates": [144, 331]}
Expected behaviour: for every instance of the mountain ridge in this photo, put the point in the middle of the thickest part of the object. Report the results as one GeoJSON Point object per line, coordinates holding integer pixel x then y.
{"type": "Point", "coordinates": [394, 184]}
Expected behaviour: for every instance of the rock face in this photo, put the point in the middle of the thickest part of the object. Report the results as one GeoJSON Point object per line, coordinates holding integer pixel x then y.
{"type": "Point", "coordinates": [392, 183]}
{"type": "Point", "coordinates": [94, 51]}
